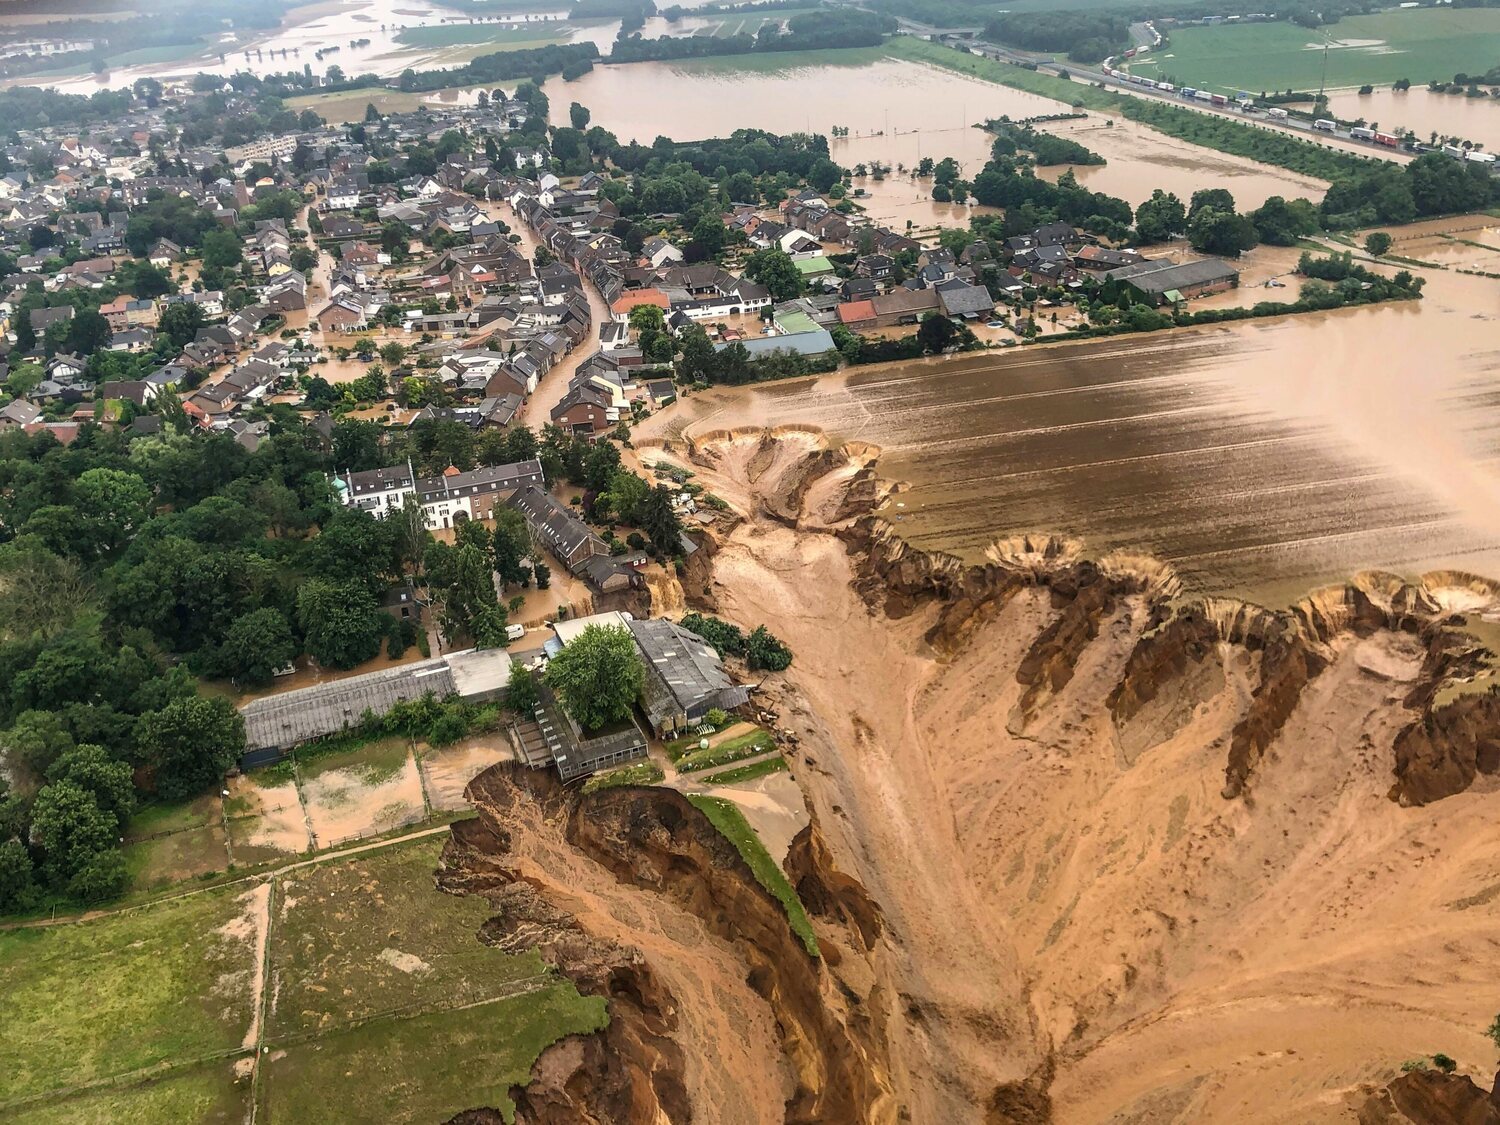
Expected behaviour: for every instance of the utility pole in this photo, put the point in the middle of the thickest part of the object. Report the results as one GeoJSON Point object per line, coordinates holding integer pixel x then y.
{"type": "Point", "coordinates": [1323, 82]}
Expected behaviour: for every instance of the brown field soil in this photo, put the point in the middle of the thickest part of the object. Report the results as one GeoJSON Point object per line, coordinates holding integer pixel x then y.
{"type": "Point", "coordinates": [448, 770]}
{"type": "Point", "coordinates": [265, 819]}
{"type": "Point", "coordinates": [374, 788]}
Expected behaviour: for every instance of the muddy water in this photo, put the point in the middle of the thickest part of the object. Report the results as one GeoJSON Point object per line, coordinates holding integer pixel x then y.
{"type": "Point", "coordinates": [337, 23]}
{"type": "Point", "coordinates": [1260, 458]}
{"type": "Point", "coordinates": [898, 112]}
{"type": "Point", "coordinates": [1425, 113]}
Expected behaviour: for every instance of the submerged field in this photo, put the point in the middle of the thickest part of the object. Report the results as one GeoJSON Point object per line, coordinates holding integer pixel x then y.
{"type": "Point", "coordinates": [1258, 460]}
{"type": "Point", "coordinates": [1421, 45]}
{"type": "Point", "coordinates": [368, 986]}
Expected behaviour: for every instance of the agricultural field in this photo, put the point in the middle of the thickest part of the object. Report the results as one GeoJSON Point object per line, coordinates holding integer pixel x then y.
{"type": "Point", "coordinates": [499, 36]}
{"type": "Point", "coordinates": [165, 985]}
{"type": "Point", "coordinates": [343, 106]}
{"type": "Point", "coordinates": [723, 25]}
{"type": "Point", "coordinates": [378, 997]}
{"type": "Point", "coordinates": [1421, 45]}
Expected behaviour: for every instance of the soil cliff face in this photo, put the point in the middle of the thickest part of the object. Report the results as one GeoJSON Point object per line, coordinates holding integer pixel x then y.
{"type": "Point", "coordinates": [1429, 1097]}
{"type": "Point", "coordinates": [1122, 854]}
{"type": "Point", "coordinates": [565, 873]}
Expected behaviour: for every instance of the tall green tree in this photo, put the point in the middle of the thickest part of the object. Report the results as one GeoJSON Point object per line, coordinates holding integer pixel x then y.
{"type": "Point", "coordinates": [597, 676]}
{"type": "Point", "coordinates": [191, 743]}
{"type": "Point", "coordinates": [659, 520]}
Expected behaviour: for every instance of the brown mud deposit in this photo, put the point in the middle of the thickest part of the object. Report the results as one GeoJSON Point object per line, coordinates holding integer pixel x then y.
{"type": "Point", "coordinates": [716, 1012]}
{"type": "Point", "coordinates": [1121, 854]}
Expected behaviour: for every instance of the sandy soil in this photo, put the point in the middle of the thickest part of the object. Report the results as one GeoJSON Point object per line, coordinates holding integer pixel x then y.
{"type": "Point", "coordinates": [1062, 893]}
{"type": "Point", "coordinates": [733, 1063]}
{"type": "Point", "coordinates": [265, 820]}
{"type": "Point", "coordinates": [345, 803]}
{"type": "Point", "coordinates": [449, 770]}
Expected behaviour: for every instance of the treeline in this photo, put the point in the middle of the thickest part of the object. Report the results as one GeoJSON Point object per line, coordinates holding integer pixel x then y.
{"type": "Point", "coordinates": [1045, 148]}
{"type": "Point", "coordinates": [1432, 184]}
{"type": "Point", "coordinates": [1084, 36]}
{"type": "Point", "coordinates": [807, 31]}
{"type": "Point", "coordinates": [1030, 201]}
{"type": "Point", "coordinates": [761, 650]}
{"type": "Point", "coordinates": [32, 107]}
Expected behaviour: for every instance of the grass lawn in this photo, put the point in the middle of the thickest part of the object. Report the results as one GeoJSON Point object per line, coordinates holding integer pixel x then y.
{"type": "Point", "coordinates": [728, 819]}
{"type": "Point", "coordinates": [371, 934]}
{"type": "Point", "coordinates": [1421, 44]}
{"type": "Point", "coordinates": [747, 773]}
{"type": "Point", "coordinates": [730, 750]}
{"type": "Point", "coordinates": [85, 1001]}
{"type": "Point", "coordinates": [641, 773]}
{"type": "Point", "coordinates": [427, 1068]}
{"type": "Point", "coordinates": [206, 1095]}
{"type": "Point", "coordinates": [451, 34]}
{"type": "Point", "coordinates": [167, 860]}
{"type": "Point", "coordinates": [1006, 74]}
{"type": "Point", "coordinates": [151, 820]}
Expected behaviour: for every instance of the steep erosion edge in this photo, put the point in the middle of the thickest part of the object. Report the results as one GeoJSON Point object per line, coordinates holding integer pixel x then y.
{"type": "Point", "coordinates": [635, 896]}
{"type": "Point", "coordinates": [1138, 856]}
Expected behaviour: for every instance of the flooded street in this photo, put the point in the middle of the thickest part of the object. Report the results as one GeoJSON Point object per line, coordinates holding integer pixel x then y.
{"type": "Point", "coordinates": [1260, 459]}
{"type": "Point", "coordinates": [898, 112]}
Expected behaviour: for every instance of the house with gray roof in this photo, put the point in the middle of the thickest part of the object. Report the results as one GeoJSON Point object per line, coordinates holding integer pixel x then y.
{"type": "Point", "coordinates": [685, 677]}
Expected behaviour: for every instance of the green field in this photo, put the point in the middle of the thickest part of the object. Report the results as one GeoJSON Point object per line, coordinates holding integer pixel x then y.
{"type": "Point", "coordinates": [364, 935]}
{"type": "Point", "coordinates": [379, 999]}
{"type": "Point", "coordinates": [496, 35]}
{"type": "Point", "coordinates": [747, 773]}
{"type": "Point", "coordinates": [1422, 45]}
{"type": "Point", "coordinates": [203, 1094]}
{"type": "Point", "coordinates": [424, 1069]}
{"type": "Point", "coordinates": [730, 750]}
{"type": "Point", "coordinates": [727, 818]}
{"type": "Point", "coordinates": [164, 984]}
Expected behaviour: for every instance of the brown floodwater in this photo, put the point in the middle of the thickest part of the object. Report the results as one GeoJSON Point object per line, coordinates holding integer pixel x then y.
{"type": "Point", "coordinates": [1260, 459]}
{"type": "Point", "coordinates": [1424, 113]}
{"type": "Point", "coordinates": [898, 112]}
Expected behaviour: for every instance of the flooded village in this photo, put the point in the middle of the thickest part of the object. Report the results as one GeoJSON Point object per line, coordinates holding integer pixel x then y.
{"type": "Point", "coordinates": [740, 563]}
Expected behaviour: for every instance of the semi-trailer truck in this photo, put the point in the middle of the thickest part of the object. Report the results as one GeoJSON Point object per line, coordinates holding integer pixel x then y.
{"type": "Point", "coordinates": [1276, 113]}
{"type": "Point", "coordinates": [1325, 125]}
{"type": "Point", "coordinates": [1359, 133]}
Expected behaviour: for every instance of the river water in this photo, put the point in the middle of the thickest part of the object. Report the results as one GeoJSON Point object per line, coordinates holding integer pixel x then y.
{"type": "Point", "coordinates": [1424, 113]}
{"type": "Point", "coordinates": [1260, 459]}
{"type": "Point", "coordinates": [898, 112]}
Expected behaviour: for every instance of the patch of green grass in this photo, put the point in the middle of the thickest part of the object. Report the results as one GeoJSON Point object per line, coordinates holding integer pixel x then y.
{"type": "Point", "coordinates": [427, 1068]}
{"type": "Point", "coordinates": [373, 762]}
{"type": "Point", "coordinates": [1004, 74]}
{"type": "Point", "coordinates": [153, 819]}
{"type": "Point", "coordinates": [727, 818]}
{"type": "Point", "coordinates": [206, 1095]}
{"type": "Point", "coordinates": [747, 773]}
{"type": "Point", "coordinates": [641, 773]}
{"type": "Point", "coordinates": [371, 934]}
{"type": "Point", "coordinates": [85, 1001]}
{"type": "Point", "coordinates": [166, 860]}
{"type": "Point", "coordinates": [1421, 44]}
{"type": "Point", "coordinates": [451, 35]}
{"type": "Point", "coordinates": [730, 750]}
{"type": "Point", "coordinates": [775, 62]}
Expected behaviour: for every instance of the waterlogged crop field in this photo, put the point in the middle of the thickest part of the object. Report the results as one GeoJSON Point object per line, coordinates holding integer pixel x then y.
{"type": "Point", "coordinates": [366, 986]}
{"type": "Point", "coordinates": [1421, 45]}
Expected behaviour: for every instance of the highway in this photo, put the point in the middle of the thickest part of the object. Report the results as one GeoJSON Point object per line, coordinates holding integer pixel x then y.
{"type": "Point", "coordinates": [1338, 140]}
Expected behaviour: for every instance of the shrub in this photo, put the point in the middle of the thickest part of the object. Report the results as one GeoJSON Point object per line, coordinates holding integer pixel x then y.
{"type": "Point", "coordinates": [448, 729]}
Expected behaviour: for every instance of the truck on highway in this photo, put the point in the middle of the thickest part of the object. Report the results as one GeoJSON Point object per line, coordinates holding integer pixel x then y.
{"type": "Point", "coordinates": [1390, 140]}
{"type": "Point", "coordinates": [1276, 114]}
{"type": "Point", "coordinates": [1325, 125]}
{"type": "Point", "coordinates": [1218, 99]}
{"type": "Point", "coordinates": [1186, 93]}
{"type": "Point", "coordinates": [1480, 157]}
{"type": "Point", "coordinates": [1167, 86]}
{"type": "Point", "coordinates": [1359, 133]}
{"type": "Point", "coordinates": [1203, 95]}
